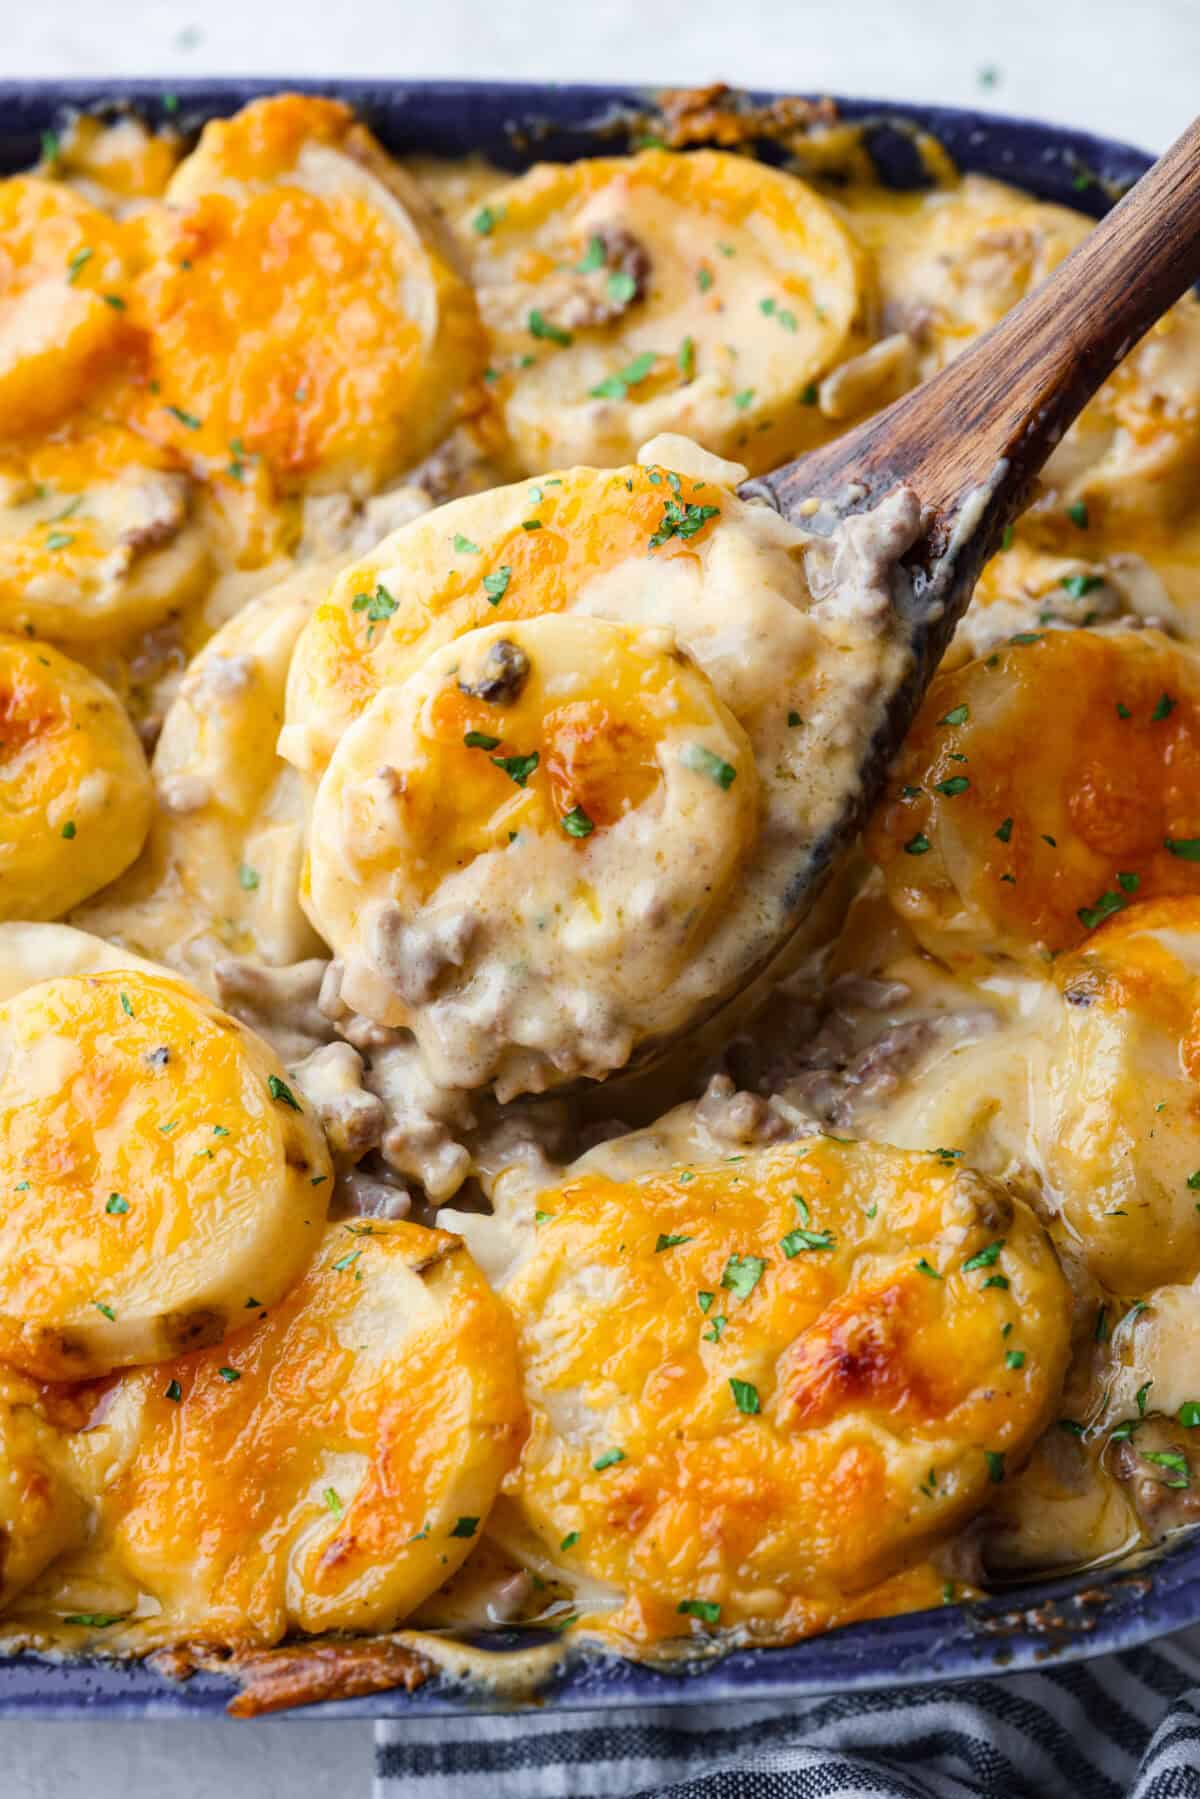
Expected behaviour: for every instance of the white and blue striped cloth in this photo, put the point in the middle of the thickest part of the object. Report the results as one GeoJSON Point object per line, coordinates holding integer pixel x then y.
{"type": "Point", "coordinates": [1122, 1727]}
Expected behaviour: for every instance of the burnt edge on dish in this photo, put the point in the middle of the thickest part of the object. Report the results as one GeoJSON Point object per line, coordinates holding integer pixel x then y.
{"type": "Point", "coordinates": [1089, 1614]}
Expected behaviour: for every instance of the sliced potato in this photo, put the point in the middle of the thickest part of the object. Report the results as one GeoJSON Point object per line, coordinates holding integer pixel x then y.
{"type": "Point", "coordinates": [221, 870]}
{"type": "Point", "coordinates": [75, 797]}
{"type": "Point", "coordinates": [306, 332]}
{"type": "Point", "coordinates": [706, 294]}
{"type": "Point", "coordinates": [569, 759]}
{"type": "Point", "coordinates": [1043, 786]}
{"type": "Point", "coordinates": [99, 537]}
{"type": "Point", "coordinates": [159, 1175]}
{"type": "Point", "coordinates": [760, 1388]}
{"type": "Point", "coordinates": [1114, 1108]}
{"type": "Point", "coordinates": [64, 273]}
{"type": "Point", "coordinates": [42, 1515]}
{"type": "Point", "coordinates": [328, 1466]}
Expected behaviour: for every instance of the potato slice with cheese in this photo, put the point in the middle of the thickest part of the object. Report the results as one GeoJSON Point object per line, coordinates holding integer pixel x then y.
{"type": "Point", "coordinates": [99, 537]}
{"type": "Point", "coordinates": [221, 871]}
{"type": "Point", "coordinates": [64, 274]}
{"type": "Point", "coordinates": [1042, 787]}
{"type": "Point", "coordinates": [329, 1465]}
{"type": "Point", "coordinates": [306, 332]}
{"type": "Point", "coordinates": [159, 1175]}
{"type": "Point", "coordinates": [706, 294]}
{"type": "Point", "coordinates": [1114, 1101]}
{"type": "Point", "coordinates": [760, 1388]}
{"type": "Point", "coordinates": [516, 850]}
{"type": "Point", "coordinates": [42, 1514]}
{"type": "Point", "coordinates": [75, 796]}
{"type": "Point", "coordinates": [793, 642]}
{"type": "Point", "coordinates": [952, 262]}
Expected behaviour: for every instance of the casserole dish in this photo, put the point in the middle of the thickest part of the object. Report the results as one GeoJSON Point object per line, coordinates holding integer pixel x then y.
{"type": "Point", "coordinates": [513, 126]}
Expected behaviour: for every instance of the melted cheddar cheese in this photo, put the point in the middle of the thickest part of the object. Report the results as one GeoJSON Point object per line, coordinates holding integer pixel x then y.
{"type": "Point", "coordinates": [378, 806]}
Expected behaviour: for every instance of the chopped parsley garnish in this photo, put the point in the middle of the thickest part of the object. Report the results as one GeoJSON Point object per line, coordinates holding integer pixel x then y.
{"type": "Point", "coordinates": [744, 399]}
{"type": "Point", "coordinates": [810, 394]}
{"type": "Point", "coordinates": [957, 715]}
{"type": "Point", "coordinates": [594, 257]}
{"type": "Point", "coordinates": [173, 1391]}
{"type": "Point", "coordinates": [333, 1501]}
{"type": "Point", "coordinates": [1193, 1179]}
{"type": "Point", "coordinates": [704, 762]}
{"type": "Point", "coordinates": [745, 1395]}
{"type": "Point", "coordinates": [1123, 711]}
{"type": "Point", "coordinates": [576, 823]}
{"type": "Point", "coordinates": [378, 605]}
{"type": "Point", "coordinates": [1189, 1414]}
{"type": "Point", "coordinates": [187, 419]}
{"type": "Point", "coordinates": [1077, 512]}
{"type": "Point", "coordinates": [1079, 586]}
{"type": "Point", "coordinates": [540, 326]}
{"type": "Point", "coordinates": [705, 1301]}
{"type": "Point", "coordinates": [1108, 903]}
{"type": "Point", "coordinates": [1100, 1331]}
{"type": "Point", "coordinates": [616, 387]}
{"type": "Point", "coordinates": [542, 1217]}
{"type": "Point", "coordinates": [984, 1258]}
{"type": "Point", "coordinates": [925, 1267]}
{"type": "Point", "coordinates": [954, 785]}
{"type": "Point", "coordinates": [668, 1242]}
{"type": "Point", "coordinates": [918, 845]}
{"type": "Point", "coordinates": [116, 1205]}
{"type": "Point", "coordinates": [248, 878]}
{"type": "Point", "coordinates": [115, 301]}
{"type": "Point", "coordinates": [1015, 1358]}
{"type": "Point", "coordinates": [126, 1007]}
{"type": "Point", "coordinates": [1004, 831]}
{"type": "Point", "coordinates": [1174, 1461]}
{"type": "Point", "coordinates": [794, 719]}
{"type": "Point", "coordinates": [1006, 537]}
{"type": "Point", "coordinates": [517, 768]}
{"type": "Point", "coordinates": [68, 830]}
{"type": "Point", "coordinates": [686, 359]}
{"type": "Point", "coordinates": [1163, 709]}
{"type": "Point", "coordinates": [51, 146]}
{"type": "Point", "coordinates": [797, 1241]}
{"type": "Point", "coordinates": [707, 1610]}
{"type": "Point", "coordinates": [1140, 1398]}
{"type": "Point", "coordinates": [681, 521]}
{"type": "Point", "coordinates": [59, 540]}
{"type": "Point", "coordinates": [282, 1092]}
{"type": "Point", "coordinates": [742, 1274]}
{"type": "Point", "coordinates": [531, 524]}
{"type": "Point", "coordinates": [496, 586]}
{"type": "Point", "coordinates": [1186, 848]}
{"type": "Point", "coordinates": [995, 1280]}
{"type": "Point", "coordinates": [479, 740]}
{"type": "Point", "coordinates": [485, 220]}
{"type": "Point", "coordinates": [229, 1375]}
{"type": "Point", "coordinates": [463, 545]}
{"type": "Point", "coordinates": [107, 1311]}
{"type": "Point", "coordinates": [465, 1527]}
{"type": "Point", "coordinates": [79, 262]}
{"type": "Point", "coordinates": [608, 1460]}
{"type": "Point", "coordinates": [1129, 883]}
{"type": "Point", "coordinates": [346, 1262]}
{"type": "Point", "coordinates": [995, 1463]}
{"type": "Point", "coordinates": [704, 279]}
{"type": "Point", "coordinates": [713, 1333]}
{"type": "Point", "coordinates": [96, 1620]}
{"type": "Point", "coordinates": [621, 287]}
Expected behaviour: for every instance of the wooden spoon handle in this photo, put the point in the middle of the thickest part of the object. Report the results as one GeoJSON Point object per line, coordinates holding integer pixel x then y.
{"type": "Point", "coordinates": [1012, 394]}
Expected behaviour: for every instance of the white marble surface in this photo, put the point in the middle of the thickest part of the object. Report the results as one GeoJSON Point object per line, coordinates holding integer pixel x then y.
{"type": "Point", "coordinates": [1129, 68]}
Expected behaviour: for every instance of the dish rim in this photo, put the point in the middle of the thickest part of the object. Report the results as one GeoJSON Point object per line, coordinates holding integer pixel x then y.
{"type": "Point", "coordinates": [1046, 1623]}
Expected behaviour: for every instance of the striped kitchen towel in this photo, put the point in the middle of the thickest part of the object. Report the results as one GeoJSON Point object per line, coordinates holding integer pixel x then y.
{"type": "Point", "coordinates": [1123, 1727]}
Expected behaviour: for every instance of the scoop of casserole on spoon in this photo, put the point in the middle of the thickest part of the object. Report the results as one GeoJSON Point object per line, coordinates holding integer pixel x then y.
{"type": "Point", "coordinates": [578, 752]}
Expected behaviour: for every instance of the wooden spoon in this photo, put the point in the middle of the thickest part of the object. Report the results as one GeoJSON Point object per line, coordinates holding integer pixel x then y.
{"type": "Point", "coordinates": [971, 440]}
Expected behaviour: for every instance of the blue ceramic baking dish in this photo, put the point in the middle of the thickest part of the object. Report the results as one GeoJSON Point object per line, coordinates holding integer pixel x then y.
{"type": "Point", "coordinates": [1052, 1622]}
